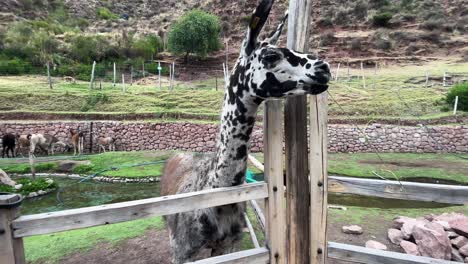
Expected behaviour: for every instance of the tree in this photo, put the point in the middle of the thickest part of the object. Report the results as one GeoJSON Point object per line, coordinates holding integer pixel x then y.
{"type": "Point", "coordinates": [196, 32]}
{"type": "Point", "coordinates": [146, 46]}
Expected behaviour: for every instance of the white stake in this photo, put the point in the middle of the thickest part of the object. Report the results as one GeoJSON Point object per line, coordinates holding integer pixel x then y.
{"type": "Point", "coordinates": [455, 106]}
{"type": "Point", "coordinates": [48, 75]}
{"type": "Point", "coordinates": [143, 69]}
{"type": "Point", "coordinates": [115, 74]}
{"type": "Point", "coordinates": [91, 83]}
{"type": "Point", "coordinates": [363, 77]}
{"type": "Point", "coordinates": [337, 72]}
{"type": "Point", "coordinates": [170, 76]}
{"type": "Point", "coordinates": [173, 76]}
{"type": "Point", "coordinates": [123, 83]}
{"type": "Point", "coordinates": [159, 72]}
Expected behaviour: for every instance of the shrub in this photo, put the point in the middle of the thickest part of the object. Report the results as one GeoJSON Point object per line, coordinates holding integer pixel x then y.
{"type": "Point", "coordinates": [382, 19]}
{"type": "Point", "coordinates": [360, 10]}
{"type": "Point", "coordinates": [92, 100]}
{"type": "Point", "coordinates": [433, 36]}
{"type": "Point", "coordinates": [355, 44]}
{"type": "Point", "coordinates": [381, 40]}
{"type": "Point", "coordinates": [147, 46]}
{"type": "Point", "coordinates": [196, 32]}
{"type": "Point", "coordinates": [460, 90]}
{"type": "Point", "coordinates": [432, 24]}
{"type": "Point", "coordinates": [106, 14]}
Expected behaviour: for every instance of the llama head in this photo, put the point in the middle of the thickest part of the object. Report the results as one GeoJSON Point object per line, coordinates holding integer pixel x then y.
{"type": "Point", "coordinates": [266, 71]}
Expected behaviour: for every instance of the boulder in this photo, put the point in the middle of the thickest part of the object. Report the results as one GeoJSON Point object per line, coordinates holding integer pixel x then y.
{"type": "Point", "coordinates": [464, 251]}
{"type": "Point", "coordinates": [459, 242]}
{"type": "Point", "coordinates": [375, 245]}
{"type": "Point", "coordinates": [432, 241]}
{"type": "Point", "coordinates": [5, 179]}
{"type": "Point", "coordinates": [400, 220]}
{"type": "Point", "coordinates": [353, 230]}
{"type": "Point", "coordinates": [452, 234]}
{"type": "Point", "coordinates": [448, 217]}
{"type": "Point", "coordinates": [460, 226]}
{"type": "Point", "coordinates": [456, 256]}
{"type": "Point", "coordinates": [444, 224]}
{"type": "Point", "coordinates": [409, 224]}
{"type": "Point", "coordinates": [410, 248]}
{"type": "Point", "coordinates": [395, 236]}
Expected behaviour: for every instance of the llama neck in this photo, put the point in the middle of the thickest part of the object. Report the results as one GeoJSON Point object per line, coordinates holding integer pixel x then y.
{"type": "Point", "coordinates": [238, 119]}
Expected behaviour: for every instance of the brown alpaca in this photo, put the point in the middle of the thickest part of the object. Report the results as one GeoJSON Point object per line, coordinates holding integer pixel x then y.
{"type": "Point", "coordinates": [262, 71]}
{"type": "Point", "coordinates": [103, 142]}
{"type": "Point", "coordinates": [77, 140]}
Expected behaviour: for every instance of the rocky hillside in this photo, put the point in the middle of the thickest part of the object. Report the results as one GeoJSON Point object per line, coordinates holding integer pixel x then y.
{"type": "Point", "coordinates": [342, 28]}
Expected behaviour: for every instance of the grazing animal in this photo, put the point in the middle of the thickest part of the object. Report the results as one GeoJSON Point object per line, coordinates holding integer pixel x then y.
{"type": "Point", "coordinates": [8, 143]}
{"type": "Point", "coordinates": [37, 141]}
{"type": "Point", "coordinates": [69, 79]}
{"type": "Point", "coordinates": [77, 140]}
{"type": "Point", "coordinates": [102, 142]}
{"type": "Point", "coordinates": [52, 142]}
{"type": "Point", "coordinates": [262, 71]}
{"type": "Point", "coordinates": [22, 143]}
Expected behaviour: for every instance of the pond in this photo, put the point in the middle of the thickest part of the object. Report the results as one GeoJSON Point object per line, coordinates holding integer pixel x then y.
{"type": "Point", "coordinates": [90, 193]}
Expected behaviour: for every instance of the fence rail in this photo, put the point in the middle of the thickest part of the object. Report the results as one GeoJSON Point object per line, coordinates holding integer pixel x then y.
{"type": "Point", "coordinates": [47, 223]}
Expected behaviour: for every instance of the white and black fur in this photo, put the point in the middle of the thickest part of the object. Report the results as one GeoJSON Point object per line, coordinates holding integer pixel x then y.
{"type": "Point", "coordinates": [262, 71]}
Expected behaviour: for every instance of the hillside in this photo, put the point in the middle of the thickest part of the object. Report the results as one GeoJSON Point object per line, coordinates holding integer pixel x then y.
{"type": "Point", "coordinates": [430, 28]}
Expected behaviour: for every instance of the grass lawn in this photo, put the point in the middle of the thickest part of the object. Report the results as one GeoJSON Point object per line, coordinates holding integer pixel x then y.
{"type": "Point", "coordinates": [388, 98]}
{"type": "Point", "coordinates": [397, 166]}
{"type": "Point", "coordinates": [53, 247]}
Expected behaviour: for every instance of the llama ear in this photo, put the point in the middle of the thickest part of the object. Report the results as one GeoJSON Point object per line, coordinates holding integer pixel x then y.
{"type": "Point", "coordinates": [274, 36]}
{"type": "Point", "coordinates": [258, 20]}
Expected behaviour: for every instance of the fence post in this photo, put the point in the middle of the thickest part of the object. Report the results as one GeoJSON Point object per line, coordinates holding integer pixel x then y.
{"type": "Point", "coordinates": [296, 148]}
{"type": "Point", "coordinates": [275, 203]}
{"type": "Point", "coordinates": [337, 72]}
{"type": "Point", "coordinates": [173, 76]}
{"type": "Point", "coordinates": [91, 82]}
{"type": "Point", "coordinates": [123, 83]}
{"type": "Point", "coordinates": [91, 138]}
{"type": "Point", "coordinates": [363, 77]}
{"type": "Point", "coordinates": [49, 79]}
{"type": "Point", "coordinates": [115, 74]}
{"type": "Point", "coordinates": [11, 249]}
{"type": "Point", "coordinates": [144, 75]}
{"type": "Point", "coordinates": [318, 178]}
{"type": "Point", "coordinates": [455, 106]}
{"type": "Point", "coordinates": [131, 75]}
{"type": "Point", "coordinates": [159, 72]}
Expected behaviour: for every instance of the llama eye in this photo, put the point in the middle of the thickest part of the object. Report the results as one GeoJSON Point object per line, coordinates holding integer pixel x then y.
{"type": "Point", "coordinates": [271, 57]}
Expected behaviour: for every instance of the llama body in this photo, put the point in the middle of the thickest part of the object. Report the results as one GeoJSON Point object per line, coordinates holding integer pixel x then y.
{"type": "Point", "coordinates": [262, 71]}
{"type": "Point", "coordinates": [104, 142]}
{"type": "Point", "coordinates": [77, 140]}
{"type": "Point", "coordinates": [8, 144]}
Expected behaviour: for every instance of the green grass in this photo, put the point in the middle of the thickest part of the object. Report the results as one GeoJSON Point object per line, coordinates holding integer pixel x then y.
{"type": "Point", "coordinates": [397, 166]}
{"type": "Point", "coordinates": [51, 248]}
{"type": "Point", "coordinates": [392, 96]}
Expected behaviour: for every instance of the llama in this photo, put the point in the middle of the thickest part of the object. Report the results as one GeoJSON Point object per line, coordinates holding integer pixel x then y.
{"type": "Point", "coordinates": [77, 140]}
{"type": "Point", "coordinates": [102, 142]}
{"type": "Point", "coordinates": [52, 142]}
{"type": "Point", "coordinates": [22, 143]}
{"type": "Point", "coordinates": [262, 71]}
{"type": "Point", "coordinates": [37, 141]}
{"type": "Point", "coordinates": [8, 143]}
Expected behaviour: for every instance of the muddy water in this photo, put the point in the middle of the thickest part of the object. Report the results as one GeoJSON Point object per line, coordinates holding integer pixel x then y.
{"type": "Point", "coordinates": [75, 195]}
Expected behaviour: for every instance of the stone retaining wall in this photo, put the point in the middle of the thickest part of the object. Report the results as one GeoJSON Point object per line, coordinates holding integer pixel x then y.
{"type": "Point", "coordinates": [201, 137]}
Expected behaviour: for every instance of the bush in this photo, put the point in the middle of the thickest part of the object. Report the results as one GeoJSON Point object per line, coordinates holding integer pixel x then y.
{"type": "Point", "coordinates": [432, 24]}
{"type": "Point", "coordinates": [381, 40]}
{"type": "Point", "coordinates": [196, 32]}
{"type": "Point", "coordinates": [460, 90]}
{"type": "Point", "coordinates": [327, 38]}
{"type": "Point", "coordinates": [147, 46]}
{"type": "Point", "coordinates": [382, 19]}
{"type": "Point", "coordinates": [355, 45]}
{"type": "Point", "coordinates": [92, 100]}
{"type": "Point", "coordinates": [106, 14]}
{"type": "Point", "coordinates": [30, 186]}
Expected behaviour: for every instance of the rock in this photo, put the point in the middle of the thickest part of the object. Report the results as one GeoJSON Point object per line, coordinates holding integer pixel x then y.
{"type": "Point", "coordinates": [375, 245]}
{"type": "Point", "coordinates": [464, 251]}
{"type": "Point", "coordinates": [18, 186]}
{"type": "Point", "coordinates": [452, 234]}
{"type": "Point", "coordinates": [408, 226]}
{"type": "Point", "coordinates": [400, 220]}
{"type": "Point", "coordinates": [448, 217]}
{"type": "Point", "coordinates": [353, 230]}
{"type": "Point", "coordinates": [460, 226]}
{"type": "Point", "coordinates": [395, 236]}
{"type": "Point", "coordinates": [32, 194]}
{"type": "Point", "coordinates": [410, 248]}
{"type": "Point", "coordinates": [5, 179]}
{"type": "Point", "coordinates": [444, 224]}
{"type": "Point", "coordinates": [459, 242]}
{"type": "Point", "coordinates": [456, 256]}
{"type": "Point", "coordinates": [41, 192]}
{"type": "Point", "coordinates": [466, 260]}
{"type": "Point", "coordinates": [432, 241]}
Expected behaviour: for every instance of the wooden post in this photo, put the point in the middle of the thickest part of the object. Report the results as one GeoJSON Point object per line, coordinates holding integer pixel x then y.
{"type": "Point", "coordinates": [337, 72]}
{"type": "Point", "coordinates": [173, 76]}
{"type": "Point", "coordinates": [123, 83]}
{"type": "Point", "coordinates": [91, 138]}
{"type": "Point", "coordinates": [11, 249]}
{"type": "Point", "coordinates": [131, 76]}
{"type": "Point", "coordinates": [318, 178]}
{"type": "Point", "coordinates": [427, 79]}
{"type": "Point", "coordinates": [363, 77]}
{"type": "Point", "coordinates": [275, 203]}
{"type": "Point", "coordinates": [49, 79]}
{"type": "Point", "coordinates": [91, 82]}
{"type": "Point", "coordinates": [32, 164]}
{"type": "Point", "coordinates": [375, 75]}
{"type": "Point", "coordinates": [143, 63]}
{"type": "Point", "coordinates": [295, 123]}
{"type": "Point", "coordinates": [455, 106]}
{"type": "Point", "coordinates": [159, 72]}
{"type": "Point", "coordinates": [170, 76]}
{"type": "Point", "coordinates": [216, 85]}
{"type": "Point", "coordinates": [115, 74]}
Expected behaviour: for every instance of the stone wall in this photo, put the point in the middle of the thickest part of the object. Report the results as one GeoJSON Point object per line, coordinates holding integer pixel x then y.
{"type": "Point", "coordinates": [201, 137]}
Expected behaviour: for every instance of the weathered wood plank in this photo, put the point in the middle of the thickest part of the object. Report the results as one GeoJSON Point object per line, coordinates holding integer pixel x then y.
{"type": "Point", "coordinates": [296, 147]}
{"type": "Point", "coordinates": [259, 214]}
{"type": "Point", "coordinates": [318, 178]}
{"type": "Point", "coordinates": [253, 256]}
{"type": "Point", "coordinates": [253, 236]}
{"type": "Point", "coordinates": [121, 212]}
{"type": "Point", "coordinates": [11, 249]}
{"type": "Point", "coordinates": [275, 208]}
{"type": "Point", "coordinates": [400, 190]}
{"type": "Point", "coordinates": [357, 254]}
{"type": "Point", "coordinates": [256, 163]}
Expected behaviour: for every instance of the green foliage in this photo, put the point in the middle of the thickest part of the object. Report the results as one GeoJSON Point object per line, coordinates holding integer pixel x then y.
{"type": "Point", "coordinates": [196, 32]}
{"type": "Point", "coordinates": [6, 188]}
{"type": "Point", "coordinates": [30, 185]}
{"type": "Point", "coordinates": [92, 100]}
{"type": "Point", "coordinates": [382, 19]}
{"type": "Point", "coordinates": [460, 90]}
{"type": "Point", "coordinates": [83, 169]}
{"type": "Point", "coordinates": [146, 46]}
{"type": "Point", "coordinates": [106, 14]}
{"type": "Point", "coordinates": [15, 67]}
{"type": "Point", "coordinates": [87, 49]}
